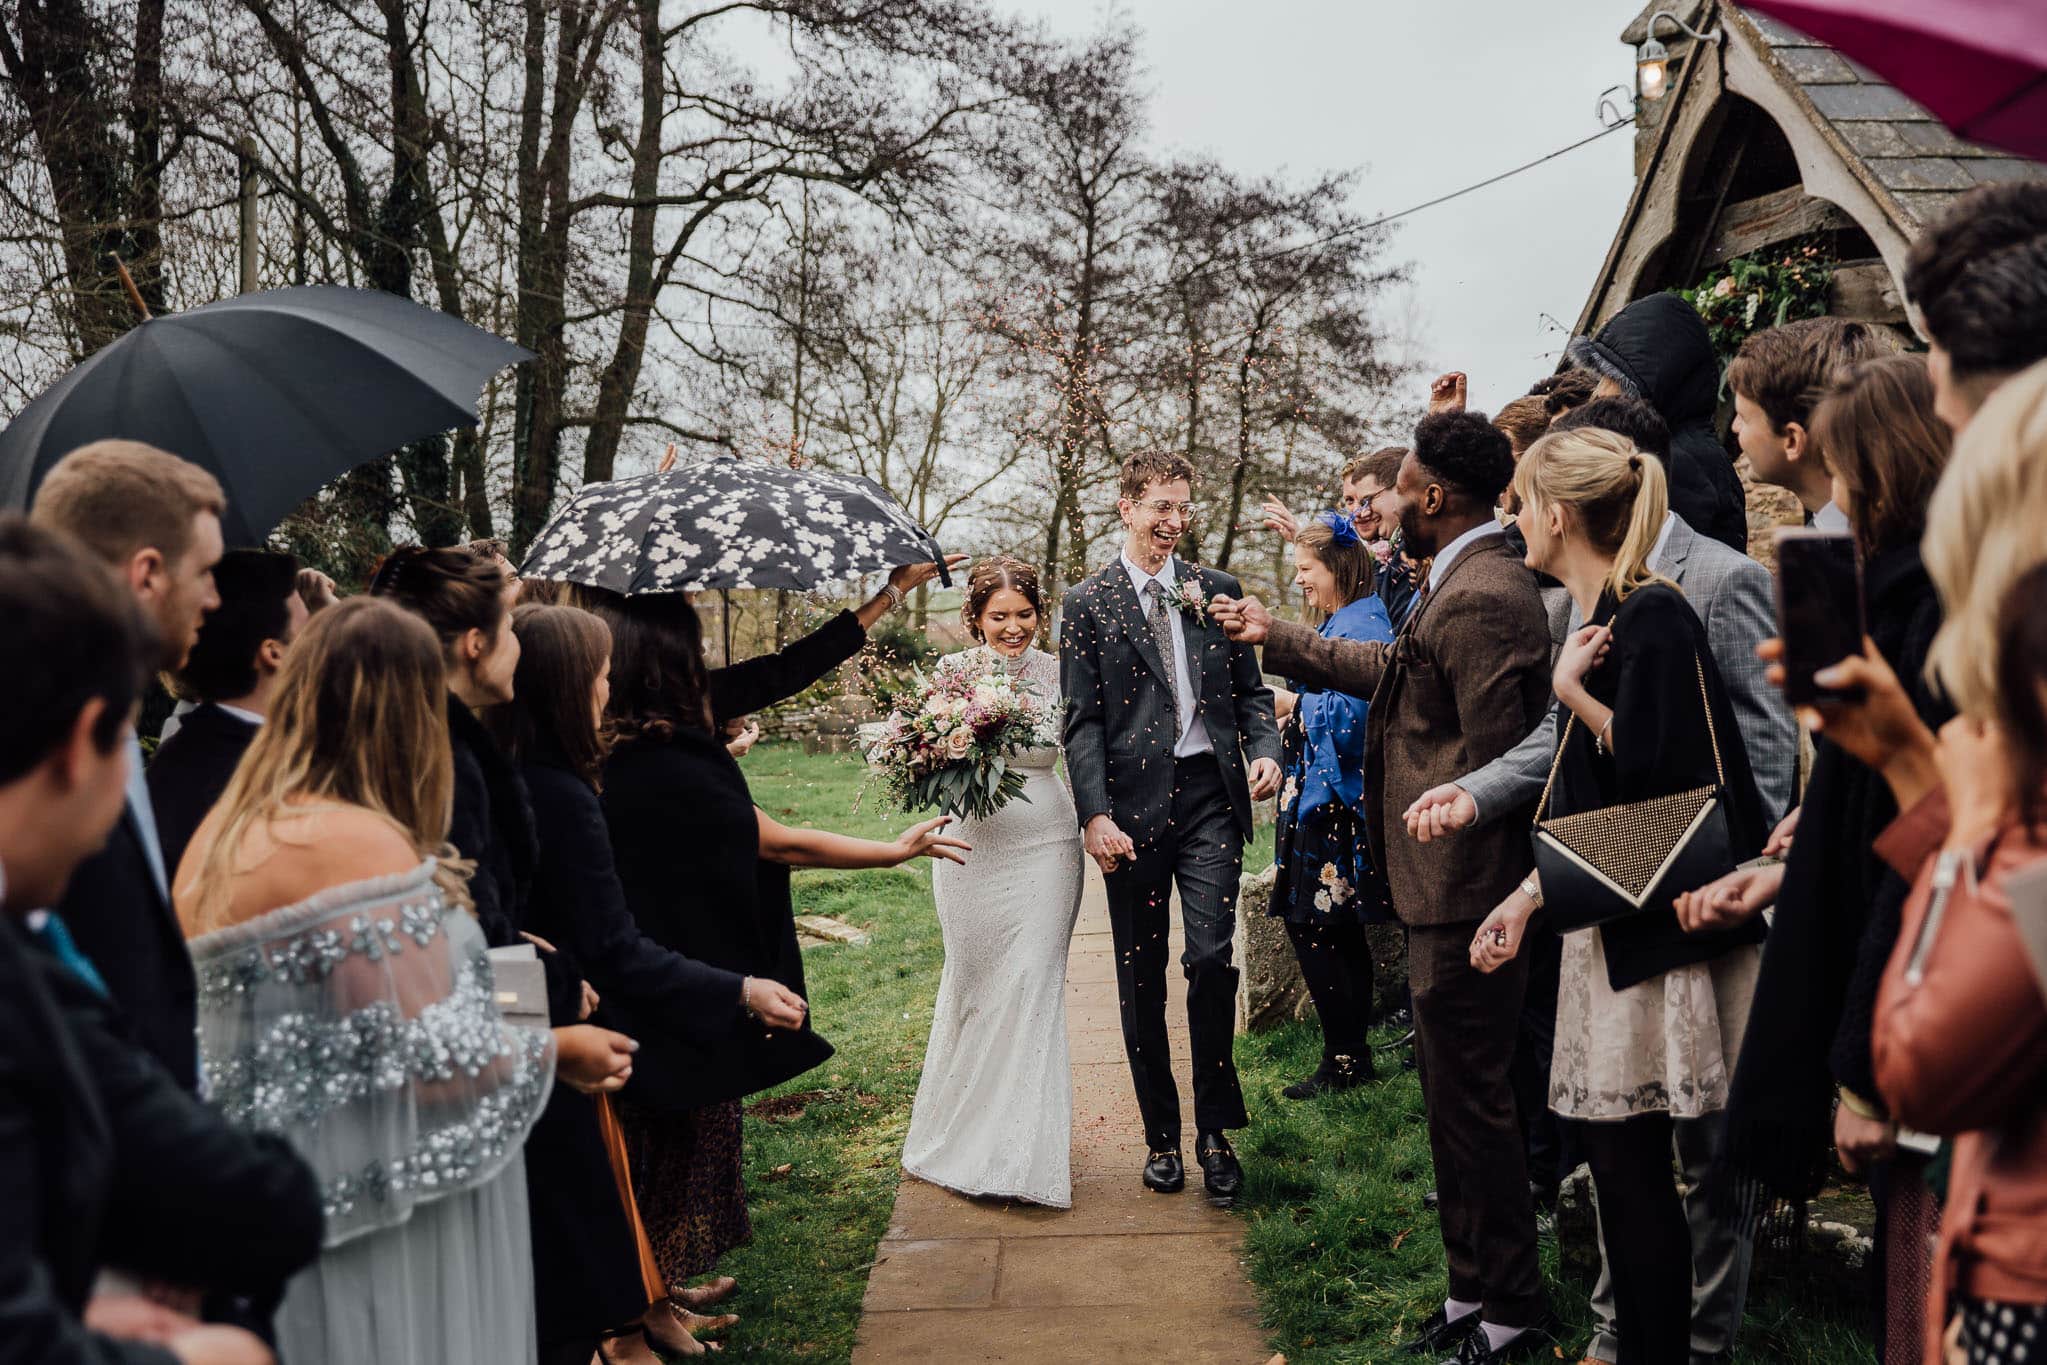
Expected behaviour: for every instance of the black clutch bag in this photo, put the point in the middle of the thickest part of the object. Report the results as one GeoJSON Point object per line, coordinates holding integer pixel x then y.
{"type": "Point", "coordinates": [1602, 865]}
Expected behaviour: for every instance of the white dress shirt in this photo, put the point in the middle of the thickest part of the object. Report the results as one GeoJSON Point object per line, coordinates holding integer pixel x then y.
{"type": "Point", "coordinates": [1831, 518]}
{"type": "Point", "coordinates": [1193, 738]}
{"type": "Point", "coordinates": [1449, 553]}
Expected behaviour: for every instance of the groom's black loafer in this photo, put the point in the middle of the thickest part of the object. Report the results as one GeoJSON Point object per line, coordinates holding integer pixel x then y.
{"type": "Point", "coordinates": [1164, 1173]}
{"type": "Point", "coordinates": [1220, 1170]}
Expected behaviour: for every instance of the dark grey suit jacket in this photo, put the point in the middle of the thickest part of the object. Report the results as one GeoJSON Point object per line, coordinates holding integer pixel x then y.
{"type": "Point", "coordinates": [1120, 719]}
{"type": "Point", "coordinates": [1467, 677]}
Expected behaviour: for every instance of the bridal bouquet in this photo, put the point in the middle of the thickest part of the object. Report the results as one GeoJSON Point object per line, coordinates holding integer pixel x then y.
{"type": "Point", "coordinates": [952, 744]}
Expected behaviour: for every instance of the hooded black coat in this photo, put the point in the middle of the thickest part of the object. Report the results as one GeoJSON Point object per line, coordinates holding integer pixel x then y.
{"type": "Point", "coordinates": [1657, 349]}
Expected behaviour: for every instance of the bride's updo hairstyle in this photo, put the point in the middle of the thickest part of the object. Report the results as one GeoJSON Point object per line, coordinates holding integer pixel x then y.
{"type": "Point", "coordinates": [991, 576]}
{"type": "Point", "coordinates": [1613, 494]}
{"type": "Point", "coordinates": [360, 719]}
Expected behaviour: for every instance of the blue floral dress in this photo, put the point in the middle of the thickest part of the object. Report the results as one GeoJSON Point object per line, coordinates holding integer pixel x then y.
{"type": "Point", "coordinates": [1325, 872]}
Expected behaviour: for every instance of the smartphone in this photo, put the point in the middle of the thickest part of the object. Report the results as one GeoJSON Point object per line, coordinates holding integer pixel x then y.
{"type": "Point", "coordinates": [1819, 607]}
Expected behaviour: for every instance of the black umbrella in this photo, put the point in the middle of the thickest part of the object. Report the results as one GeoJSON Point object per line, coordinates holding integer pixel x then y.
{"type": "Point", "coordinates": [277, 393]}
{"type": "Point", "coordinates": [727, 524]}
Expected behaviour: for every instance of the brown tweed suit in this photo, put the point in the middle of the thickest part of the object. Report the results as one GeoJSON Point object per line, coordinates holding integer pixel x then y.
{"type": "Point", "coordinates": [1466, 679]}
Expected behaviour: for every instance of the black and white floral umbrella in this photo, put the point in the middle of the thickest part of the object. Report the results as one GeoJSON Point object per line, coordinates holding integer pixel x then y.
{"type": "Point", "coordinates": [727, 523]}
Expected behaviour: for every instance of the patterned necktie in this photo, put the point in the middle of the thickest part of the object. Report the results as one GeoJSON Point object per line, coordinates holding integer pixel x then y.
{"type": "Point", "coordinates": [1162, 636]}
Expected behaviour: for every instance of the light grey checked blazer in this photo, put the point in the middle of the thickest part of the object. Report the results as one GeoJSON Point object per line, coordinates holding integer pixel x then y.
{"type": "Point", "coordinates": [1733, 596]}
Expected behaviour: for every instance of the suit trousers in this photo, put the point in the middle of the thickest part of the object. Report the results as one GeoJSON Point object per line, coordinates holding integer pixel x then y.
{"type": "Point", "coordinates": [1465, 1023]}
{"type": "Point", "coordinates": [1202, 849]}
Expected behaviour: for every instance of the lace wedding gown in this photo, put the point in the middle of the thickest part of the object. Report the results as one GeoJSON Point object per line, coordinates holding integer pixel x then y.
{"type": "Point", "coordinates": [362, 1025]}
{"type": "Point", "coordinates": [994, 1110]}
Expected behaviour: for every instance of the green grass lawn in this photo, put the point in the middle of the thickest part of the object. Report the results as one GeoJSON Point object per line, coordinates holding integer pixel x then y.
{"type": "Point", "coordinates": [1347, 1262]}
{"type": "Point", "coordinates": [821, 1151]}
{"type": "Point", "coordinates": [1343, 1256]}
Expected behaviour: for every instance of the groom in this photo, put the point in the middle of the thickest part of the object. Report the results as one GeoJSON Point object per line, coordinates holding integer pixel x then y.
{"type": "Point", "coordinates": [1162, 710]}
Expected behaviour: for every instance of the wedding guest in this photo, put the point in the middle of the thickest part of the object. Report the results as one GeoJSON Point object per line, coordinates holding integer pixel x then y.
{"type": "Point", "coordinates": [550, 728]}
{"type": "Point", "coordinates": [1837, 902]}
{"type": "Point", "coordinates": [1777, 377]}
{"type": "Point", "coordinates": [1326, 888]}
{"type": "Point", "coordinates": [231, 674]}
{"type": "Point", "coordinates": [1959, 1039]}
{"type": "Point", "coordinates": [154, 520]}
{"type": "Point", "coordinates": [1976, 281]}
{"type": "Point", "coordinates": [688, 844]}
{"type": "Point", "coordinates": [1366, 498]}
{"type": "Point", "coordinates": [466, 598]}
{"type": "Point", "coordinates": [1468, 679]}
{"type": "Point", "coordinates": [1524, 419]}
{"type": "Point", "coordinates": [90, 1127]}
{"type": "Point", "coordinates": [1657, 349]}
{"type": "Point", "coordinates": [1648, 1019]}
{"type": "Point", "coordinates": [328, 850]}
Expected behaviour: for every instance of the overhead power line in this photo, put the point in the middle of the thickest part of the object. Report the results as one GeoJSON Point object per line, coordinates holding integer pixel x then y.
{"type": "Point", "coordinates": [1227, 261]}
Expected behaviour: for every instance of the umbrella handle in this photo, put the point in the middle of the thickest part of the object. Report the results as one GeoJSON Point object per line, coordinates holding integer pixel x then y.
{"type": "Point", "coordinates": [128, 283]}
{"type": "Point", "coordinates": [938, 557]}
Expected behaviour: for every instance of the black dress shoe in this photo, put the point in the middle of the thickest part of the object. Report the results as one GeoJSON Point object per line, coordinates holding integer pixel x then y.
{"type": "Point", "coordinates": [1431, 1200]}
{"type": "Point", "coordinates": [1341, 1072]}
{"type": "Point", "coordinates": [1536, 1343]}
{"type": "Point", "coordinates": [1220, 1170]}
{"type": "Point", "coordinates": [1440, 1334]}
{"type": "Point", "coordinates": [1164, 1173]}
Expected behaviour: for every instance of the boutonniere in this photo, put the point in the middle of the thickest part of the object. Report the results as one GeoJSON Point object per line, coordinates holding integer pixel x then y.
{"type": "Point", "coordinates": [1187, 597]}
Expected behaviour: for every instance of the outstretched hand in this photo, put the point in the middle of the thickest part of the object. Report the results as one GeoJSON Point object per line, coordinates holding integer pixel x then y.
{"type": "Point", "coordinates": [1735, 898]}
{"type": "Point", "coordinates": [929, 841]}
{"type": "Point", "coordinates": [1447, 392]}
{"type": "Point", "coordinates": [1278, 517]}
{"type": "Point", "coordinates": [1245, 621]}
{"type": "Point", "coordinates": [907, 578]}
{"type": "Point", "coordinates": [593, 1060]}
{"type": "Point", "coordinates": [1440, 812]}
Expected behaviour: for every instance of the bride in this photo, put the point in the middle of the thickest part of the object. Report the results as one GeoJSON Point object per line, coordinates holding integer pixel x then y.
{"type": "Point", "coordinates": [994, 1110]}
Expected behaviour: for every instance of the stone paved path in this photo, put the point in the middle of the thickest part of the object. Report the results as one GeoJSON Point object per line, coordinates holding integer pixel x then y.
{"type": "Point", "coordinates": [1124, 1273]}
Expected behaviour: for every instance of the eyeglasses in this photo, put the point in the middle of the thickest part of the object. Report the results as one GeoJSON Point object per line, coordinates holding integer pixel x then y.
{"type": "Point", "coordinates": [1365, 503]}
{"type": "Point", "coordinates": [1162, 508]}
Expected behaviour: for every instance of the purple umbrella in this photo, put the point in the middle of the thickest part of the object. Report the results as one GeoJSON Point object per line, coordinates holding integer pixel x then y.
{"type": "Point", "coordinates": [1979, 66]}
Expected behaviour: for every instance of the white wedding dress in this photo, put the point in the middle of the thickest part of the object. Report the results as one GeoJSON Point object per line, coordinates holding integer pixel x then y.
{"type": "Point", "coordinates": [994, 1111]}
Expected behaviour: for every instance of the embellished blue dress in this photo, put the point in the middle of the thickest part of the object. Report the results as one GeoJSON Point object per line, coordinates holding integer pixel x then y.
{"type": "Point", "coordinates": [1325, 874]}
{"type": "Point", "coordinates": [362, 1025]}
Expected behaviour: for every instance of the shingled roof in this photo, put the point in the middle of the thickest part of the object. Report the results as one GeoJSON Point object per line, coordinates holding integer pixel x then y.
{"type": "Point", "coordinates": [1908, 152]}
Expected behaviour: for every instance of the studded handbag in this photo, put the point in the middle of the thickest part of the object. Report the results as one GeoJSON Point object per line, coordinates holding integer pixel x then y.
{"type": "Point", "coordinates": [1601, 865]}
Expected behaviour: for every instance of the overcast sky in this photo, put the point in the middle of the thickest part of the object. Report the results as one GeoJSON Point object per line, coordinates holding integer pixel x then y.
{"type": "Point", "coordinates": [1424, 96]}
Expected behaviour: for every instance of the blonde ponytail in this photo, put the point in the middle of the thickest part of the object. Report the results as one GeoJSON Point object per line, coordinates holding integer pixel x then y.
{"type": "Point", "coordinates": [1618, 496]}
{"type": "Point", "coordinates": [1645, 523]}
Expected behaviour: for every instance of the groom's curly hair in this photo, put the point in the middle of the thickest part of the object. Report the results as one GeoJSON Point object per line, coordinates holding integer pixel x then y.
{"type": "Point", "coordinates": [1148, 467]}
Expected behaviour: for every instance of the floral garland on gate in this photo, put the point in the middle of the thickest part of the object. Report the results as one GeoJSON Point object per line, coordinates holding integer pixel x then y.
{"type": "Point", "coordinates": [1765, 289]}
